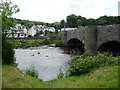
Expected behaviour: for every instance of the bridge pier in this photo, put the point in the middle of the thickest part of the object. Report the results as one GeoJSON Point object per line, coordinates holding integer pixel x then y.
{"type": "Point", "coordinates": [64, 38]}
{"type": "Point", "coordinates": [90, 40]}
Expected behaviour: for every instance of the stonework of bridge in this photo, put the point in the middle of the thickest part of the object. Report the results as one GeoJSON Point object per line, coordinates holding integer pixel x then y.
{"type": "Point", "coordinates": [94, 38]}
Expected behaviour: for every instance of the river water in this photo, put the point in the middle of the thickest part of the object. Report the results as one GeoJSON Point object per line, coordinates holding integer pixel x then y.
{"type": "Point", "coordinates": [47, 61]}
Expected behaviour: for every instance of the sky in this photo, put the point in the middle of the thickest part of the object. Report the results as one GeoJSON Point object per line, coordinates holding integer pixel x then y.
{"type": "Point", "coordinates": [51, 11]}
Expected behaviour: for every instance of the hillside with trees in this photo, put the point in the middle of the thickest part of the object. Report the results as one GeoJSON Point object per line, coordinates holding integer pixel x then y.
{"type": "Point", "coordinates": [73, 21]}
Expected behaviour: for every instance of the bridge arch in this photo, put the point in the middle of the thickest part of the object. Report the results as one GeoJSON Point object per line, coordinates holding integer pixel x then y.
{"type": "Point", "coordinates": [75, 44]}
{"type": "Point", "coordinates": [110, 46]}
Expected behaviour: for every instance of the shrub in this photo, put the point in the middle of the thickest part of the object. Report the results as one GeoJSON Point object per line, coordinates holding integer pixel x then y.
{"type": "Point", "coordinates": [28, 43]}
{"type": "Point", "coordinates": [32, 72]}
{"type": "Point", "coordinates": [60, 75]}
{"type": "Point", "coordinates": [85, 65]}
{"type": "Point", "coordinates": [46, 42]}
{"type": "Point", "coordinates": [7, 52]}
{"type": "Point", "coordinates": [59, 43]}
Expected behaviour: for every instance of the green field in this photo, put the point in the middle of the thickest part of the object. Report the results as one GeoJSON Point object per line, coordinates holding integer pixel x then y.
{"type": "Point", "coordinates": [103, 77]}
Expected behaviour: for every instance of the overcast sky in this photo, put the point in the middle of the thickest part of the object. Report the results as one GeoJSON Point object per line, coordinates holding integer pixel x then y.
{"type": "Point", "coordinates": [55, 10]}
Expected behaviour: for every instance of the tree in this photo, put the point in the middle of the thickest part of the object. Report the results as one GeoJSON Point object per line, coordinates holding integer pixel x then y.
{"type": "Point", "coordinates": [57, 26]}
{"type": "Point", "coordinates": [81, 21]}
{"type": "Point", "coordinates": [92, 21]}
{"type": "Point", "coordinates": [72, 21]}
{"type": "Point", "coordinates": [7, 9]}
{"type": "Point", "coordinates": [103, 20]}
{"type": "Point", "coordinates": [62, 24]}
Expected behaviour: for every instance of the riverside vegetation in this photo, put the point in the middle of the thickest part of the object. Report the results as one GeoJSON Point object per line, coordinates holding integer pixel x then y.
{"type": "Point", "coordinates": [106, 76]}
{"type": "Point", "coordinates": [34, 43]}
{"type": "Point", "coordinates": [84, 71]}
{"type": "Point", "coordinates": [29, 43]}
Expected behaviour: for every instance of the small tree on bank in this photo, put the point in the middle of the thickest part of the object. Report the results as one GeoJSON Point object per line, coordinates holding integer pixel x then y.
{"type": "Point", "coordinates": [7, 9]}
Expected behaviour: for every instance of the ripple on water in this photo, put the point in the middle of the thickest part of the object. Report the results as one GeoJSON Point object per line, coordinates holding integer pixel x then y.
{"type": "Point", "coordinates": [47, 63]}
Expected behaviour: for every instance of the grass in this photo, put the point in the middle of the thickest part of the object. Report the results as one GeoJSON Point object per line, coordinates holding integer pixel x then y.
{"type": "Point", "coordinates": [14, 78]}
{"type": "Point", "coordinates": [103, 77]}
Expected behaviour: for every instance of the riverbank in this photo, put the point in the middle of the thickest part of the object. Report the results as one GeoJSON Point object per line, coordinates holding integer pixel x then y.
{"type": "Point", "coordinates": [103, 77]}
{"type": "Point", "coordinates": [29, 43]}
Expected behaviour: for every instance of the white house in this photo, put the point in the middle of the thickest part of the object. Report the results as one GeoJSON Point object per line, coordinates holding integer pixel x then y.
{"type": "Point", "coordinates": [22, 31]}
{"type": "Point", "coordinates": [18, 31]}
{"type": "Point", "coordinates": [52, 29]}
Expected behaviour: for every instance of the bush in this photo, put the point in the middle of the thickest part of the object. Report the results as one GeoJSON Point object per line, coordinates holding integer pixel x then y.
{"type": "Point", "coordinates": [59, 43]}
{"type": "Point", "coordinates": [85, 65]}
{"type": "Point", "coordinates": [7, 52]}
{"type": "Point", "coordinates": [32, 72]}
{"type": "Point", "coordinates": [60, 75]}
{"type": "Point", "coordinates": [28, 43]}
{"type": "Point", "coordinates": [46, 42]}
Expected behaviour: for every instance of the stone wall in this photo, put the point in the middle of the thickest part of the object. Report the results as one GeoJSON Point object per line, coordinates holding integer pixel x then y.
{"type": "Point", "coordinates": [107, 33]}
{"type": "Point", "coordinates": [78, 33]}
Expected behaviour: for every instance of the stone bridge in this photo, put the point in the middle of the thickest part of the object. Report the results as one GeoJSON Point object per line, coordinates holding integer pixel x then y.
{"type": "Point", "coordinates": [94, 38]}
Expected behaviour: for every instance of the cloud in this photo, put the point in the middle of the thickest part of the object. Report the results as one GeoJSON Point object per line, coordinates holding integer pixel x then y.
{"type": "Point", "coordinates": [56, 10]}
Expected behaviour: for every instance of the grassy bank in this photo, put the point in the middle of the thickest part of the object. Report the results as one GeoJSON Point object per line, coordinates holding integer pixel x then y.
{"type": "Point", "coordinates": [14, 78]}
{"type": "Point", "coordinates": [103, 77]}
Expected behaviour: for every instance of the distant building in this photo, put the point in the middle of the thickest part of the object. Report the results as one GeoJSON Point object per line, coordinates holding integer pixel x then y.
{"type": "Point", "coordinates": [52, 29]}
{"type": "Point", "coordinates": [18, 31]}
{"type": "Point", "coordinates": [22, 31]}
{"type": "Point", "coordinates": [67, 29]}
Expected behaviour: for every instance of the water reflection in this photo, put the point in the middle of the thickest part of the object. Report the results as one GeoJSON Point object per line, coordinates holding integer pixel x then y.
{"type": "Point", "coordinates": [47, 61]}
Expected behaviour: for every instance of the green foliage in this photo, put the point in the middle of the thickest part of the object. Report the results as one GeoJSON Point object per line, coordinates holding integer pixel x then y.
{"type": "Point", "coordinates": [7, 9]}
{"type": "Point", "coordinates": [60, 75]}
{"type": "Point", "coordinates": [84, 65]}
{"type": "Point", "coordinates": [7, 52]}
{"type": "Point", "coordinates": [62, 24]}
{"type": "Point", "coordinates": [28, 23]}
{"type": "Point", "coordinates": [46, 42]}
{"type": "Point", "coordinates": [32, 72]}
{"type": "Point", "coordinates": [32, 55]}
{"type": "Point", "coordinates": [28, 43]}
{"type": "Point", "coordinates": [80, 27]}
{"type": "Point", "coordinates": [106, 77]}
{"type": "Point", "coordinates": [72, 21]}
{"type": "Point", "coordinates": [38, 52]}
{"type": "Point", "coordinates": [84, 55]}
{"type": "Point", "coordinates": [59, 43]}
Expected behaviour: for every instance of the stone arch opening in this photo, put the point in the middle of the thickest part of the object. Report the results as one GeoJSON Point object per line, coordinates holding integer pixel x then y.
{"type": "Point", "coordinates": [76, 45]}
{"type": "Point", "coordinates": [112, 47]}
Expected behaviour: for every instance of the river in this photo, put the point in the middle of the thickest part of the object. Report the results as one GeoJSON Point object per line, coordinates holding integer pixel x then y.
{"type": "Point", "coordinates": [47, 61]}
